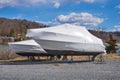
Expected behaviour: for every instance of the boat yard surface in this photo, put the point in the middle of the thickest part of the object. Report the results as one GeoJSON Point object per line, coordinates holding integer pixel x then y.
{"type": "Point", "coordinates": [47, 70]}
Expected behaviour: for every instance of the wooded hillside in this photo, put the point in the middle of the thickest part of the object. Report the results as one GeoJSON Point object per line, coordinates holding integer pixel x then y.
{"type": "Point", "coordinates": [8, 26]}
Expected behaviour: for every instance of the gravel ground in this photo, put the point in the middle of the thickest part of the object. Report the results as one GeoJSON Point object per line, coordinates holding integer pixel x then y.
{"type": "Point", "coordinates": [60, 71]}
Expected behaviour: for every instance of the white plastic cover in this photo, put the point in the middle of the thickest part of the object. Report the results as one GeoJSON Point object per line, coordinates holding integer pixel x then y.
{"type": "Point", "coordinates": [66, 37]}
{"type": "Point", "coordinates": [27, 46]}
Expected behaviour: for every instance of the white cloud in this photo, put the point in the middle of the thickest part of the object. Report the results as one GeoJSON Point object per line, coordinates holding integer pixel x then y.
{"type": "Point", "coordinates": [84, 19]}
{"type": "Point", "coordinates": [90, 1]}
{"type": "Point", "coordinates": [78, 1]}
{"type": "Point", "coordinates": [117, 27]}
{"type": "Point", "coordinates": [56, 3]}
{"type": "Point", "coordinates": [12, 3]}
{"type": "Point", "coordinates": [35, 1]}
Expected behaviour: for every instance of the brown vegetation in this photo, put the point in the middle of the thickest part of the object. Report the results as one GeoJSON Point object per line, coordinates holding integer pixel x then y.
{"type": "Point", "coordinates": [112, 56]}
{"type": "Point", "coordinates": [6, 54]}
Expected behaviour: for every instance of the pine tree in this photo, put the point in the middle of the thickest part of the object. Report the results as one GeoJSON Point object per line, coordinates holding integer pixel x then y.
{"type": "Point", "coordinates": [111, 48]}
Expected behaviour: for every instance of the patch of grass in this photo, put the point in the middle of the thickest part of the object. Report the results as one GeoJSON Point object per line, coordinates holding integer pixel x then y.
{"type": "Point", "coordinates": [112, 56]}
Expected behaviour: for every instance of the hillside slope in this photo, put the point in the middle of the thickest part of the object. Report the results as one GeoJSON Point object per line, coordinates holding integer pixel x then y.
{"type": "Point", "coordinates": [7, 26]}
{"type": "Point", "coordinates": [105, 35]}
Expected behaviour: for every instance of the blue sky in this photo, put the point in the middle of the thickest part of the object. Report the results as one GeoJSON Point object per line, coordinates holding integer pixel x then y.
{"type": "Point", "coordinates": [93, 14]}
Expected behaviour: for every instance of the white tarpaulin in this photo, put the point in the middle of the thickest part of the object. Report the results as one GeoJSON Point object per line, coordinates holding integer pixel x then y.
{"type": "Point", "coordinates": [66, 37]}
{"type": "Point", "coordinates": [26, 46]}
